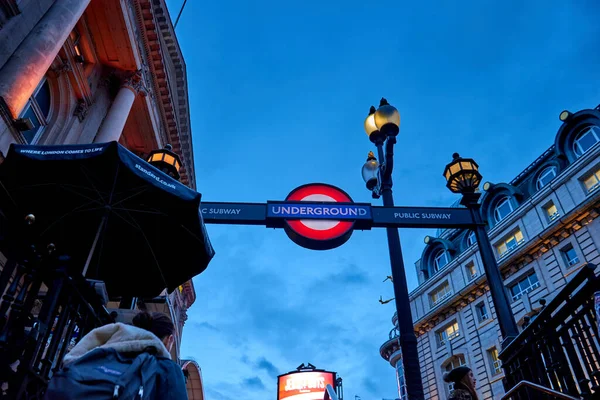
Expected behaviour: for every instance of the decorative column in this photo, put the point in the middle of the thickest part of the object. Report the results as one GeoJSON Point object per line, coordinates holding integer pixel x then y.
{"type": "Point", "coordinates": [27, 66]}
{"type": "Point", "coordinates": [113, 124]}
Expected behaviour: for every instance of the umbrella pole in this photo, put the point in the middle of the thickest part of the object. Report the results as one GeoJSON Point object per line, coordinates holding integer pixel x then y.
{"type": "Point", "coordinates": [94, 244]}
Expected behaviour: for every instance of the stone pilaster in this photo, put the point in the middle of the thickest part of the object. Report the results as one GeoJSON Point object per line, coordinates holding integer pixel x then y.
{"type": "Point", "coordinates": [29, 63]}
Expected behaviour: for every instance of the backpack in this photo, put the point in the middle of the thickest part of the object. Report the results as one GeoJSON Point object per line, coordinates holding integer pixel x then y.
{"type": "Point", "coordinates": [104, 374]}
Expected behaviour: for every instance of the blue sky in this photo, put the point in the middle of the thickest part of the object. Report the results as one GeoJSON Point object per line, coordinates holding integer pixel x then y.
{"type": "Point", "coordinates": [278, 93]}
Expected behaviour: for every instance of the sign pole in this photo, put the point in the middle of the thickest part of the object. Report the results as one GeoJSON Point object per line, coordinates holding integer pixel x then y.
{"type": "Point", "coordinates": [408, 340]}
{"type": "Point", "coordinates": [506, 320]}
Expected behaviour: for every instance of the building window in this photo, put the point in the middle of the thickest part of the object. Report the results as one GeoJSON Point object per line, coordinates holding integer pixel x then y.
{"type": "Point", "coordinates": [569, 255]}
{"type": "Point", "coordinates": [440, 294]}
{"type": "Point", "coordinates": [495, 363]}
{"type": "Point", "coordinates": [471, 239]}
{"type": "Point", "coordinates": [510, 243]}
{"type": "Point", "coordinates": [76, 40]}
{"type": "Point", "coordinates": [37, 111]}
{"type": "Point", "coordinates": [551, 211]}
{"type": "Point", "coordinates": [481, 312]}
{"type": "Point", "coordinates": [586, 139]}
{"type": "Point", "coordinates": [525, 285]}
{"type": "Point", "coordinates": [592, 182]}
{"type": "Point", "coordinates": [401, 381]}
{"type": "Point", "coordinates": [471, 271]}
{"type": "Point", "coordinates": [441, 260]}
{"type": "Point", "coordinates": [455, 362]}
{"type": "Point", "coordinates": [503, 208]}
{"type": "Point", "coordinates": [545, 177]}
{"type": "Point", "coordinates": [448, 333]}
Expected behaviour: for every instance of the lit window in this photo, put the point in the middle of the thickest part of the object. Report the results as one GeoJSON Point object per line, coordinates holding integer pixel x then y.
{"type": "Point", "coordinates": [440, 260]}
{"type": "Point", "coordinates": [37, 111]}
{"type": "Point", "coordinates": [481, 311]}
{"type": "Point", "coordinates": [448, 333]}
{"type": "Point", "coordinates": [552, 212]}
{"type": "Point", "coordinates": [455, 362]}
{"type": "Point", "coordinates": [570, 255]}
{"type": "Point", "coordinates": [471, 271]}
{"type": "Point", "coordinates": [503, 208]}
{"type": "Point", "coordinates": [545, 177]}
{"type": "Point", "coordinates": [471, 239]}
{"type": "Point", "coordinates": [440, 294]}
{"type": "Point", "coordinates": [586, 139]}
{"type": "Point", "coordinates": [510, 243]}
{"type": "Point", "coordinates": [76, 40]}
{"type": "Point", "coordinates": [525, 285]}
{"type": "Point", "coordinates": [592, 182]}
{"type": "Point", "coordinates": [495, 363]}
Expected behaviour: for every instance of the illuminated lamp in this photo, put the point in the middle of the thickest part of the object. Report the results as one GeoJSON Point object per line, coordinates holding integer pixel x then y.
{"type": "Point", "coordinates": [166, 161]}
{"type": "Point", "coordinates": [564, 115]}
{"type": "Point", "coordinates": [462, 175]}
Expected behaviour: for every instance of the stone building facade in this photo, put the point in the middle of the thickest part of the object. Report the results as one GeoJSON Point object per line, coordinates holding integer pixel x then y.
{"type": "Point", "coordinates": [543, 227]}
{"type": "Point", "coordinates": [84, 71]}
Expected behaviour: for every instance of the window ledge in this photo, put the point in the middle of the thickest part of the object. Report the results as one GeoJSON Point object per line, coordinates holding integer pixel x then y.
{"type": "Point", "coordinates": [485, 323]}
{"type": "Point", "coordinates": [573, 268]}
{"type": "Point", "coordinates": [498, 377]}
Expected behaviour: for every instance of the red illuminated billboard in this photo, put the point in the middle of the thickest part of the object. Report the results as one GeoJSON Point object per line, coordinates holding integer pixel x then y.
{"type": "Point", "coordinates": [304, 385]}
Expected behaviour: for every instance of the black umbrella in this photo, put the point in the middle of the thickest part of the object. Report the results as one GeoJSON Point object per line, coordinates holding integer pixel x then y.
{"type": "Point", "coordinates": [119, 219]}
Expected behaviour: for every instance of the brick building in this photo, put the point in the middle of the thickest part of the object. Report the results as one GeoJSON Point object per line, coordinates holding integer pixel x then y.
{"type": "Point", "coordinates": [84, 71]}
{"type": "Point", "coordinates": [543, 227]}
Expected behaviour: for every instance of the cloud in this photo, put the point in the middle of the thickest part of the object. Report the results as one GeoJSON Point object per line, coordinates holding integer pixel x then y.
{"type": "Point", "coordinates": [214, 394]}
{"type": "Point", "coordinates": [254, 383]}
{"type": "Point", "coordinates": [267, 366]}
{"type": "Point", "coordinates": [205, 325]}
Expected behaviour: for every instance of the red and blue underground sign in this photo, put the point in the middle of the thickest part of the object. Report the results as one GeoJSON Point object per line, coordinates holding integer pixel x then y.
{"type": "Point", "coordinates": [324, 223]}
{"type": "Point", "coordinates": [319, 216]}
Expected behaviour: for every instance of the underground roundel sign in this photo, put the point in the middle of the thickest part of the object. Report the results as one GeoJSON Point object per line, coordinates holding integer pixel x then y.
{"type": "Point", "coordinates": [325, 222]}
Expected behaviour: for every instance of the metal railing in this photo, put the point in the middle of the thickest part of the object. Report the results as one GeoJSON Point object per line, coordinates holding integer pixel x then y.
{"type": "Point", "coordinates": [45, 309]}
{"type": "Point", "coordinates": [534, 391]}
{"type": "Point", "coordinates": [559, 350]}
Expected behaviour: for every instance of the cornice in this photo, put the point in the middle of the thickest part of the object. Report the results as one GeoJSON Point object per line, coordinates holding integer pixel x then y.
{"type": "Point", "coordinates": [151, 31]}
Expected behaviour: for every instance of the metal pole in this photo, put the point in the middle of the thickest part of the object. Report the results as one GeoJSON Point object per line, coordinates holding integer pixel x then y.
{"type": "Point", "coordinates": [506, 320]}
{"type": "Point", "coordinates": [408, 340]}
{"type": "Point", "coordinates": [179, 15]}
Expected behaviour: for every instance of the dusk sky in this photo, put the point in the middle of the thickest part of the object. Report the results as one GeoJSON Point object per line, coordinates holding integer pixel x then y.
{"type": "Point", "coordinates": [279, 91]}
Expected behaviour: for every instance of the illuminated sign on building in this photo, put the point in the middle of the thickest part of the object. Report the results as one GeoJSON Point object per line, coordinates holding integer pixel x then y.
{"type": "Point", "coordinates": [304, 385]}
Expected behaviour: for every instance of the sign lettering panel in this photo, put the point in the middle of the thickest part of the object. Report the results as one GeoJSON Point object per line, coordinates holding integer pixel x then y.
{"type": "Point", "coordinates": [305, 210]}
{"type": "Point", "coordinates": [234, 213]}
{"type": "Point", "coordinates": [422, 217]}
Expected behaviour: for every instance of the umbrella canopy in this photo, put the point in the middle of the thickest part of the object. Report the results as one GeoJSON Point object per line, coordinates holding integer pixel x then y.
{"type": "Point", "coordinates": [119, 219]}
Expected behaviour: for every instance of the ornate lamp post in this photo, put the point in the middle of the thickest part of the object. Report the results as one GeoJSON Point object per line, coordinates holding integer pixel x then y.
{"type": "Point", "coordinates": [382, 125]}
{"type": "Point", "coordinates": [462, 176]}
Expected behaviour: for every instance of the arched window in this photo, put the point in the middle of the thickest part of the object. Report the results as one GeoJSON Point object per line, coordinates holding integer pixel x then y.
{"type": "Point", "coordinates": [503, 208]}
{"type": "Point", "coordinates": [440, 260]}
{"type": "Point", "coordinates": [471, 239]}
{"type": "Point", "coordinates": [545, 177]}
{"type": "Point", "coordinates": [586, 139]}
{"type": "Point", "coordinates": [37, 110]}
{"type": "Point", "coordinates": [454, 362]}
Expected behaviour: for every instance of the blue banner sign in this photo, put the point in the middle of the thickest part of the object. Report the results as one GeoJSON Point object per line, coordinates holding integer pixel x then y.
{"type": "Point", "coordinates": [422, 217]}
{"type": "Point", "coordinates": [233, 213]}
{"type": "Point", "coordinates": [307, 210]}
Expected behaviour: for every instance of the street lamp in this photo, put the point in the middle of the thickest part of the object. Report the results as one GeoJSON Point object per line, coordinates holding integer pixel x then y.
{"type": "Point", "coordinates": [462, 176]}
{"type": "Point", "coordinates": [382, 126]}
{"type": "Point", "coordinates": [166, 160]}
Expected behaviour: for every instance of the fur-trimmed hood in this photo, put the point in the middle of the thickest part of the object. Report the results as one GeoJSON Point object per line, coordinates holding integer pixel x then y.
{"type": "Point", "coordinates": [121, 337]}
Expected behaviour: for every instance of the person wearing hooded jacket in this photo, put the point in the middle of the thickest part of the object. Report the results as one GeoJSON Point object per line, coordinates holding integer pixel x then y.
{"type": "Point", "coordinates": [148, 331]}
{"type": "Point", "coordinates": [464, 383]}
